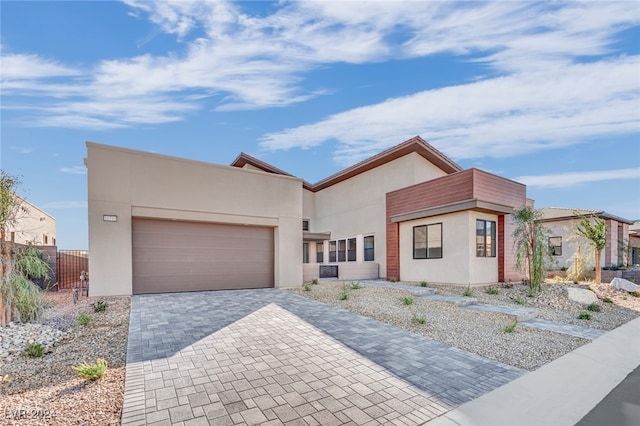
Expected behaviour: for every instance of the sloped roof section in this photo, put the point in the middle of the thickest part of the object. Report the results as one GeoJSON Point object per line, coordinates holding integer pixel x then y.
{"type": "Point", "coordinates": [550, 214]}
{"type": "Point", "coordinates": [415, 144]}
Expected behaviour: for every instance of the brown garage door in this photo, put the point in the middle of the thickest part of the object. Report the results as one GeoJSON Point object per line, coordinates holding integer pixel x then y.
{"type": "Point", "coordinates": [172, 256]}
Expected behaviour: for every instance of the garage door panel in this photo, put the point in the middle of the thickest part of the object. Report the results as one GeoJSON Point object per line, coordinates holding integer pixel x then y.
{"type": "Point", "coordinates": [172, 256]}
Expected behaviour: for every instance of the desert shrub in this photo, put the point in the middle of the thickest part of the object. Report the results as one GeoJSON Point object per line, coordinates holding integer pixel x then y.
{"type": "Point", "coordinates": [356, 285]}
{"type": "Point", "coordinates": [492, 290]}
{"type": "Point", "coordinates": [407, 300]}
{"type": "Point", "coordinates": [34, 350]}
{"type": "Point", "coordinates": [392, 279]}
{"type": "Point", "coordinates": [314, 281]}
{"type": "Point", "coordinates": [468, 292]}
{"type": "Point", "coordinates": [607, 300]}
{"type": "Point", "coordinates": [100, 306]}
{"type": "Point", "coordinates": [423, 284]}
{"type": "Point", "coordinates": [584, 316]}
{"type": "Point", "coordinates": [344, 293]}
{"type": "Point", "coordinates": [518, 300]}
{"type": "Point", "coordinates": [420, 319]}
{"type": "Point", "coordinates": [593, 307]}
{"type": "Point", "coordinates": [83, 319]}
{"type": "Point", "coordinates": [635, 293]}
{"type": "Point", "coordinates": [92, 371]}
{"type": "Point", "coordinates": [307, 287]}
{"type": "Point", "coordinates": [511, 327]}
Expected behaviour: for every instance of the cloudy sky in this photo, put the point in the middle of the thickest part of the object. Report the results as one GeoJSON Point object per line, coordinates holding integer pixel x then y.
{"type": "Point", "coordinates": [544, 93]}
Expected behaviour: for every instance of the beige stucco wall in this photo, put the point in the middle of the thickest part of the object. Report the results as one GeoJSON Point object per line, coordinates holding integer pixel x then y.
{"type": "Point", "coordinates": [356, 206]}
{"type": "Point", "coordinates": [459, 264]}
{"type": "Point", "coordinates": [130, 183]}
{"type": "Point", "coordinates": [32, 225]}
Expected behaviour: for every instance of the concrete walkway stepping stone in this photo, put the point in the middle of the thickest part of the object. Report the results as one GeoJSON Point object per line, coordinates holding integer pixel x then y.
{"type": "Point", "coordinates": [456, 300]}
{"type": "Point", "coordinates": [560, 327]}
{"type": "Point", "coordinates": [410, 288]}
{"type": "Point", "coordinates": [520, 314]}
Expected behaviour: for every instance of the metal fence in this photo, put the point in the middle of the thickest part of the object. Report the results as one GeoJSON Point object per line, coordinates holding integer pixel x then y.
{"type": "Point", "coordinates": [69, 266]}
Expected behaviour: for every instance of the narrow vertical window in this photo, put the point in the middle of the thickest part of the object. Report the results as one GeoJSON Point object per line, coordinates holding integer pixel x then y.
{"type": "Point", "coordinates": [305, 252]}
{"type": "Point", "coordinates": [485, 238]}
{"type": "Point", "coordinates": [305, 225]}
{"type": "Point", "coordinates": [332, 251]}
{"type": "Point", "coordinates": [369, 253]}
{"type": "Point", "coordinates": [342, 250]}
{"type": "Point", "coordinates": [319, 252]}
{"type": "Point", "coordinates": [555, 246]}
{"type": "Point", "coordinates": [351, 249]}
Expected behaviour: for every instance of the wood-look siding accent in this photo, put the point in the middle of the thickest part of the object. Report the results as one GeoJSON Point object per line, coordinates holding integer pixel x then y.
{"type": "Point", "coordinates": [457, 187]}
{"type": "Point", "coordinates": [175, 256]}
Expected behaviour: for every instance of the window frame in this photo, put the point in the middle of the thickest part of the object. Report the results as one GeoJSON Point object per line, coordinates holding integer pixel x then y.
{"type": "Point", "coordinates": [342, 250]}
{"type": "Point", "coordinates": [320, 252]}
{"type": "Point", "coordinates": [369, 250]}
{"type": "Point", "coordinates": [305, 252]}
{"type": "Point", "coordinates": [493, 237]}
{"type": "Point", "coordinates": [427, 254]}
{"type": "Point", "coordinates": [333, 254]}
{"type": "Point", "coordinates": [553, 247]}
{"type": "Point", "coordinates": [305, 225]}
{"type": "Point", "coordinates": [352, 250]}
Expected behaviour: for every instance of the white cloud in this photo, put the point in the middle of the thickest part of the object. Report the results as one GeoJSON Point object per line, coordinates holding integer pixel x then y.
{"type": "Point", "coordinates": [65, 205]}
{"type": "Point", "coordinates": [569, 179]}
{"type": "Point", "coordinates": [497, 117]}
{"type": "Point", "coordinates": [236, 60]}
{"type": "Point", "coordinates": [75, 170]}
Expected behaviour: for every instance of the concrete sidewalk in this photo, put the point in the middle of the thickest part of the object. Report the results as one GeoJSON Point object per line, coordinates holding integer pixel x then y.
{"type": "Point", "coordinates": [560, 393]}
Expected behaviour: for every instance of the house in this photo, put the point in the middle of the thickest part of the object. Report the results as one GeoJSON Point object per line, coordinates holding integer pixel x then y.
{"type": "Point", "coordinates": [634, 244]}
{"type": "Point", "coordinates": [561, 224]}
{"type": "Point", "coordinates": [32, 225]}
{"type": "Point", "coordinates": [164, 224]}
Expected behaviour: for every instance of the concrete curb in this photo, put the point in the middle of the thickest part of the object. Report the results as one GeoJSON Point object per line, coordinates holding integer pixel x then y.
{"type": "Point", "coordinates": [559, 393]}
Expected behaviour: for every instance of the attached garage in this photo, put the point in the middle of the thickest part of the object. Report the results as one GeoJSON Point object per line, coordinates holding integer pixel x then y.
{"type": "Point", "coordinates": [174, 256]}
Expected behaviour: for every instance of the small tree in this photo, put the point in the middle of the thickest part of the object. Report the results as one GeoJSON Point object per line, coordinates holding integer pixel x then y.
{"type": "Point", "coordinates": [17, 293]}
{"type": "Point", "coordinates": [532, 251]}
{"type": "Point", "coordinates": [594, 230]}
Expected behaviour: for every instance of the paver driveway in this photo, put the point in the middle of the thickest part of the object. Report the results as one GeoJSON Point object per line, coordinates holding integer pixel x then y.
{"type": "Point", "coordinates": [272, 357]}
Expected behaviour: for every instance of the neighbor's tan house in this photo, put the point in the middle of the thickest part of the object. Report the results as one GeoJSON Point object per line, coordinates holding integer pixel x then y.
{"type": "Point", "coordinates": [561, 223]}
{"type": "Point", "coordinates": [32, 226]}
{"type": "Point", "coordinates": [165, 224]}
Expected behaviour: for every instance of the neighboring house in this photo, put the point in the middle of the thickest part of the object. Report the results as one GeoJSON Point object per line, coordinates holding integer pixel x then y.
{"type": "Point", "coordinates": [634, 244]}
{"type": "Point", "coordinates": [563, 243]}
{"type": "Point", "coordinates": [32, 225]}
{"type": "Point", "coordinates": [164, 224]}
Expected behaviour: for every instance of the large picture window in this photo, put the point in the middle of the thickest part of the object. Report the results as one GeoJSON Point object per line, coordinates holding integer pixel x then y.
{"type": "Point", "coordinates": [555, 246]}
{"type": "Point", "coordinates": [485, 238]}
{"type": "Point", "coordinates": [369, 253]}
{"type": "Point", "coordinates": [427, 241]}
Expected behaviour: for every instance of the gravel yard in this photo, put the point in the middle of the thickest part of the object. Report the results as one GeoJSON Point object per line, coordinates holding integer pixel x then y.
{"type": "Point", "coordinates": [479, 332]}
{"type": "Point", "coordinates": [46, 390]}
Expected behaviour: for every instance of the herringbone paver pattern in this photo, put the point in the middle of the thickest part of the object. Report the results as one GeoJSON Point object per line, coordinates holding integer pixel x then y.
{"type": "Point", "coordinates": [271, 357]}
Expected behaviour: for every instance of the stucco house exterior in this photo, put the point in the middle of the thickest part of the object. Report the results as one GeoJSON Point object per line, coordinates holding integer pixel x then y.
{"type": "Point", "coordinates": [561, 223]}
{"type": "Point", "coordinates": [32, 226]}
{"type": "Point", "coordinates": [165, 224]}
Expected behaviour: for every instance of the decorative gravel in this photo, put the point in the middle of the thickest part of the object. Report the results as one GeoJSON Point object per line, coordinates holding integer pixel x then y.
{"type": "Point", "coordinates": [46, 390]}
{"type": "Point", "coordinates": [478, 332]}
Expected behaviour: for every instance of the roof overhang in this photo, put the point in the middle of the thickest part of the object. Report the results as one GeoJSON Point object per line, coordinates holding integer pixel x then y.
{"type": "Point", "coordinates": [458, 206]}
{"type": "Point", "coordinates": [315, 236]}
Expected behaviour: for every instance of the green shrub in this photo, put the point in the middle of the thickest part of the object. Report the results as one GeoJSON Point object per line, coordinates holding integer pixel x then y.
{"type": "Point", "coordinates": [344, 293]}
{"type": "Point", "coordinates": [635, 293]}
{"type": "Point", "coordinates": [607, 300]}
{"type": "Point", "coordinates": [314, 281]}
{"type": "Point", "coordinates": [92, 371]}
{"type": "Point", "coordinates": [593, 307]}
{"type": "Point", "coordinates": [392, 279]}
{"type": "Point", "coordinates": [356, 285]}
{"type": "Point", "coordinates": [423, 284]}
{"type": "Point", "coordinates": [584, 316]}
{"type": "Point", "coordinates": [34, 350]}
{"type": "Point", "coordinates": [307, 287]}
{"type": "Point", "coordinates": [100, 306]}
{"type": "Point", "coordinates": [492, 290]}
{"type": "Point", "coordinates": [511, 327]}
{"type": "Point", "coordinates": [420, 319]}
{"type": "Point", "coordinates": [518, 300]}
{"type": "Point", "coordinates": [83, 319]}
{"type": "Point", "coordinates": [468, 292]}
{"type": "Point", "coordinates": [407, 300]}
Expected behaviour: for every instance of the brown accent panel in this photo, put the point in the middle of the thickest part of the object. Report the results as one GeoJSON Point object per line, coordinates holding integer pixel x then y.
{"type": "Point", "coordinates": [393, 250]}
{"type": "Point", "coordinates": [175, 256]}
{"type": "Point", "coordinates": [501, 248]}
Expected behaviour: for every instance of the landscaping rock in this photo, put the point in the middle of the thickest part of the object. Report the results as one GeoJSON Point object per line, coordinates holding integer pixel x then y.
{"type": "Point", "coordinates": [585, 297]}
{"type": "Point", "coordinates": [622, 284]}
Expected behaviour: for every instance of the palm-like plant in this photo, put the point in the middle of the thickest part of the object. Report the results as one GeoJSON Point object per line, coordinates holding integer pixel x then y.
{"type": "Point", "coordinates": [594, 230]}
{"type": "Point", "coordinates": [530, 246]}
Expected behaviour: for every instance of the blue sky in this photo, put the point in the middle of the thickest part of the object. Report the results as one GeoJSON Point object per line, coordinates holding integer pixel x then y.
{"type": "Point", "coordinates": [546, 93]}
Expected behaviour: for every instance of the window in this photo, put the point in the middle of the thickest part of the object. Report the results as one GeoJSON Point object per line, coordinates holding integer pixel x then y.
{"type": "Point", "coordinates": [342, 250]}
{"type": "Point", "coordinates": [13, 237]}
{"type": "Point", "coordinates": [427, 241]}
{"type": "Point", "coordinates": [319, 252]}
{"type": "Point", "coordinates": [305, 252]}
{"type": "Point", "coordinates": [305, 225]}
{"type": "Point", "coordinates": [332, 251]}
{"type": "Point", "coordinates": [555, 246]}
{"type": "Point", "coordinates": [368, 248]}
{"type": "Point", "coordinates": [351, 249]}
{"type": "Point", "coordinates": [54, 241]}
{"type": "Point", "coordinates": [45, 239]}
{"type": "Point", "coordinates": [485, 238]}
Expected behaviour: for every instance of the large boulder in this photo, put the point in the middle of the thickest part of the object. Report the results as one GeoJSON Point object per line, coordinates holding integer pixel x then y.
{"type": "Point", "coordinates": [585, 297]}
{"type": "Point", "coordinates": [622, 284]}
